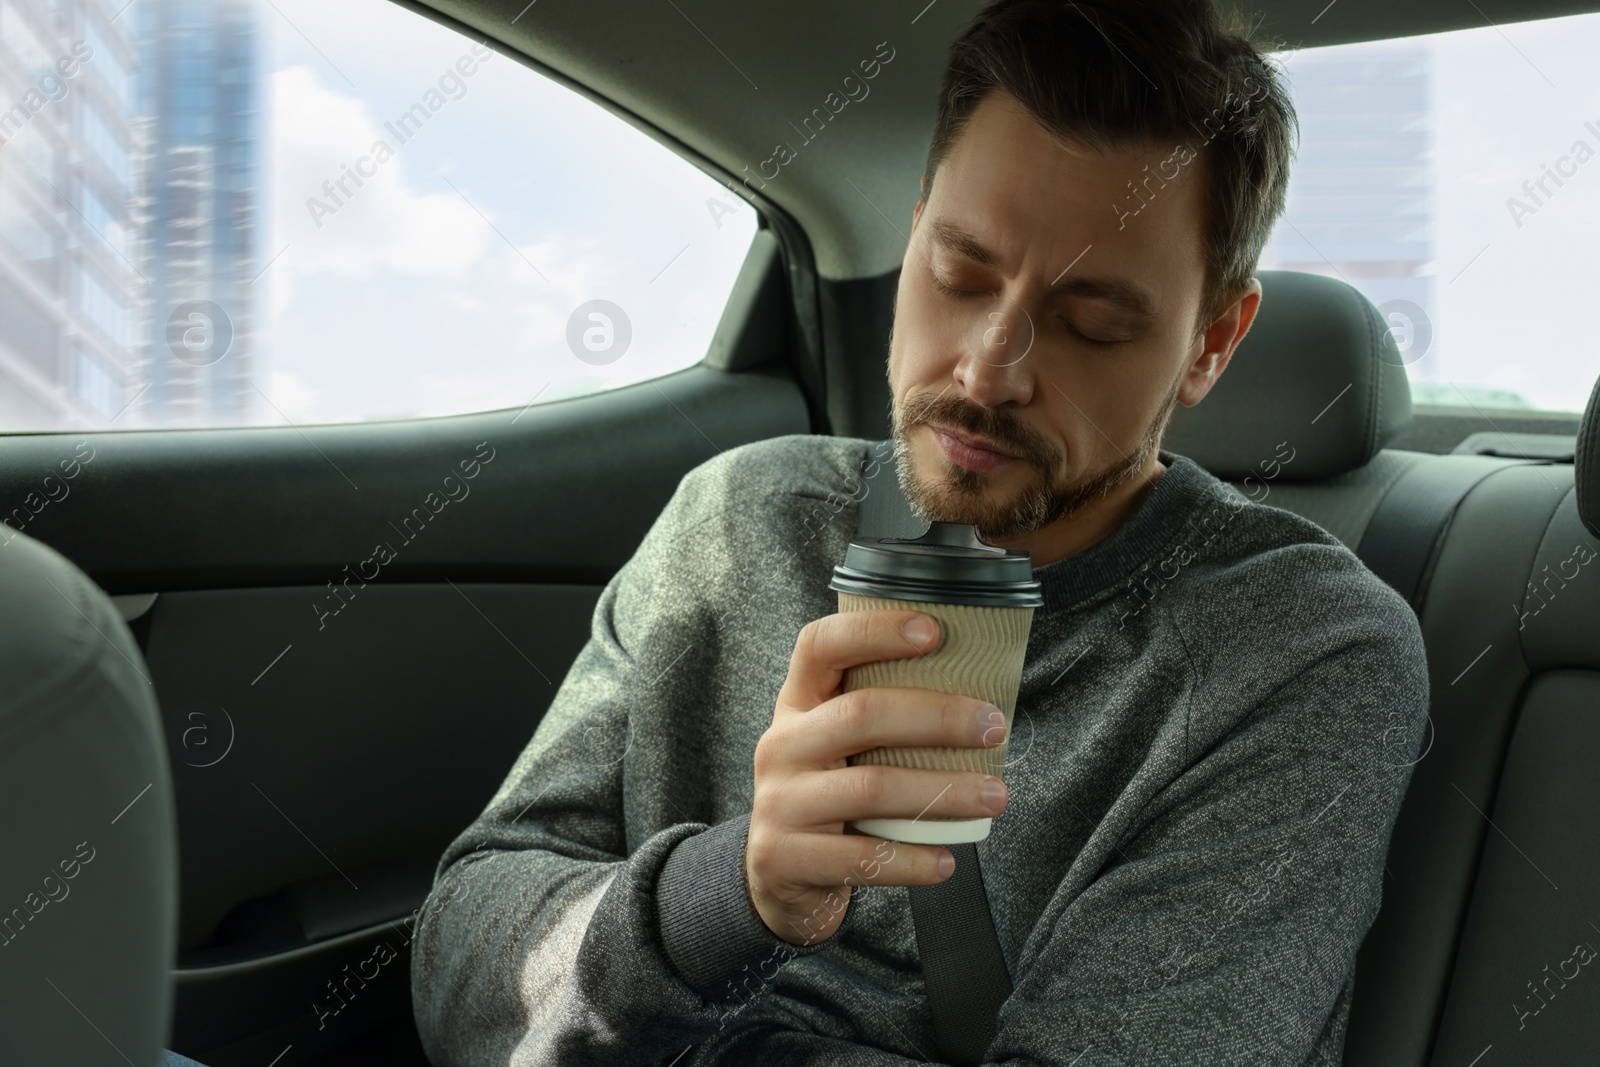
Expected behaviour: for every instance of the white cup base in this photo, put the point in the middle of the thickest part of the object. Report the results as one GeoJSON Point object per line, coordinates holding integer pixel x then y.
{"type": "Point", "coordinates": [923, 832]}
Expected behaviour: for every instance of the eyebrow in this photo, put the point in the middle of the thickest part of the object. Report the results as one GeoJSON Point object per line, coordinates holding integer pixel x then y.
{"type": "Point", "coordinates": [1120, 294]}
{"type": "Point", "coordinates": [961, 242]}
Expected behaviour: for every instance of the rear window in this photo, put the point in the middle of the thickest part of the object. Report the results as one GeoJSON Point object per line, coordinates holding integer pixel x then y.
{"type": "Point", "coordinates": [1455, 180]}
{"type": "Point", "coordinates": [241, 213]}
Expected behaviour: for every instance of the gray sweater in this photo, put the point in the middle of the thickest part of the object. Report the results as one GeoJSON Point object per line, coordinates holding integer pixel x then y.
{"type": "Point", "coordinates": [1216, 724]}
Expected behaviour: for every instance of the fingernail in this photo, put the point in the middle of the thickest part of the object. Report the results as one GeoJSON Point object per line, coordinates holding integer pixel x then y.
{"type": "Point", "coordinates": [921, 630]}
{"type": "Point", "coordinates": [993, 793]}
{"type": "Point", "coordinates": [991, 724]}
{"type": "Point", "coordinates": [947, 865]}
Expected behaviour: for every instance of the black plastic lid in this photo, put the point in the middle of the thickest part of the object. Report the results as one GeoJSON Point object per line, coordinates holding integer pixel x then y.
{"type": "Point", "coordinates": [949, 564]}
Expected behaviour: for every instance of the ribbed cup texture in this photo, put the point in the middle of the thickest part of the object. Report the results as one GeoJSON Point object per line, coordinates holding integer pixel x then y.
{"type": "Point", "coordinates": [981, 656]}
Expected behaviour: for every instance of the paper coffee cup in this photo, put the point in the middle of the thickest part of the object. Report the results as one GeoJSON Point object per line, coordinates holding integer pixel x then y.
{"type": "Point", "coordinates": [983, 597]}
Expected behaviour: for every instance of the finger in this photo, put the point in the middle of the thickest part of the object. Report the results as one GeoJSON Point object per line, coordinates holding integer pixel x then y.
{"type": "Point", "coordinates": [893, 716]}
{"type": "Point", "coordinates": [827, 647]}
{"type": "Point", "coordinates": [875, 791]}
{"type": "Point", "coordinates": [843, 861]}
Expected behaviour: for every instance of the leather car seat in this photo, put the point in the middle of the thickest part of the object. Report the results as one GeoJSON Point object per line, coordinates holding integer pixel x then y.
{"type": "Point", "coordinates": [1499, 890]}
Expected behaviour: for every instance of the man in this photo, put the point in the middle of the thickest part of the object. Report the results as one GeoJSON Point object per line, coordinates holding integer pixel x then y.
{"type": "Point", "coordinates": [1191, 836]}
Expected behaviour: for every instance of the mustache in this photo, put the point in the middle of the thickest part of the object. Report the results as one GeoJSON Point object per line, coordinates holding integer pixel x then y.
{"type": "Point", "coordinates": [993, 424]}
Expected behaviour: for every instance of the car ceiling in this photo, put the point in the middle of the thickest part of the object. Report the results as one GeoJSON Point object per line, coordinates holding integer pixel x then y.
{"type": "Point", "coordinates": [721, 81]}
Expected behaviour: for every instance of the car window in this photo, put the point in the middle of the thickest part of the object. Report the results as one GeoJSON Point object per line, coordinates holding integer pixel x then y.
{"type": "Point", "coordinates": [241, 213]}
{"type": "Point", "coordinates": [1452, 178]}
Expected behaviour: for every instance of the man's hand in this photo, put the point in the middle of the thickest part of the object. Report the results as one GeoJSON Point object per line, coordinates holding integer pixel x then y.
{"type": "Point", "coordinates": [798, 853]}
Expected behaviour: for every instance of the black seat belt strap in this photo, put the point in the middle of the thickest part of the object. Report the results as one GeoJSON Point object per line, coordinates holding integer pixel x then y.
{"type": "Point", "coordinates": [884, 510]}
{"type": "Point", "coordinates": [963, 968]}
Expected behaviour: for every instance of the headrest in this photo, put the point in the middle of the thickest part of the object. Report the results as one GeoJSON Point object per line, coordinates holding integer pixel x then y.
{"type": "Point", "coordinates": [79, 723]}
{"type": "Point", "coordinates": [1588, 461]}
{"type": "Point", "coordinates": [1318, 373]}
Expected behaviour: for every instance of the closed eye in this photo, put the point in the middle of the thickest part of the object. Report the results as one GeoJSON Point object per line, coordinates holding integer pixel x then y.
{"type": "Point", "coordinates": [961, 294]}
{"type": "Point", "coordinates": [1086, 339]}
{"type": "Point", "coordinates": [958, 293]}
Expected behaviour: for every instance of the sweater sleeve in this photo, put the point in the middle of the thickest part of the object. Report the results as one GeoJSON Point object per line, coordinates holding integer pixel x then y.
{"type": "Point", "coordinates": [545, 940]}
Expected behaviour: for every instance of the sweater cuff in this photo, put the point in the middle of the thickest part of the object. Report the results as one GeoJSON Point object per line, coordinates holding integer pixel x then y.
{"type": "Point", "coordinates": [710, 928]}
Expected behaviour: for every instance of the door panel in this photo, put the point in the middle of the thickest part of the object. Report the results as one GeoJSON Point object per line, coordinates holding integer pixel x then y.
{"type": "Point", "coordinates": [316, 794]}
{"type": "Point", "coordinates": [321, 772]}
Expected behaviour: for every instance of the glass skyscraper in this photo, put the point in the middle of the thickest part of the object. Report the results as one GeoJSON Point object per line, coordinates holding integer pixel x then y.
{"type": "Point", "coordinates": [197, 211]}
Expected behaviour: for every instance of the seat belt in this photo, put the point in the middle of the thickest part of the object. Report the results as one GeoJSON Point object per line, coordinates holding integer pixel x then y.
{"type": "Point", "coordinates": [963, 968]}
{"type": "Point", "coordinates": [1400, 544]}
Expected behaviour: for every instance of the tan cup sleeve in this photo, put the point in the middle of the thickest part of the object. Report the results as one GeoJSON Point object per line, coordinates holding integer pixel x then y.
{"type": "Point", "coordinates": [981, 655]}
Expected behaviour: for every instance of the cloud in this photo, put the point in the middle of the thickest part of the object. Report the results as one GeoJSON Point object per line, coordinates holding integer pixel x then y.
{"type": "Point", "coordinates": [321, 136]}
{"type": "Point", "coordinates": [575, 266]}
{"type": "Point", "coordinates": [579, 267]}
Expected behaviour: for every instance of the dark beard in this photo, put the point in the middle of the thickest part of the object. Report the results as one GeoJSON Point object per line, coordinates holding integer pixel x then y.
{"type": "Point", "coordinates": [957, 494]}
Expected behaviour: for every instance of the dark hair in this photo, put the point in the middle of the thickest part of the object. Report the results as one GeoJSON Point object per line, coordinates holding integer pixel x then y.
{"type": "Point", "coordinates": [1111, 73]}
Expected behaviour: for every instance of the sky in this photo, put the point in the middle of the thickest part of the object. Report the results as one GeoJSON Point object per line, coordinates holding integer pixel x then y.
{"type": "Point", "coordinates": [1522, 314]}
{"type": "Point", "coordinates": [445, 281]}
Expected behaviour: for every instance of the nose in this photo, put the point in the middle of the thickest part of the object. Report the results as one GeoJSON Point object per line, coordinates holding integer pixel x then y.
{"type": "Point", "coordinates": [994, 367]}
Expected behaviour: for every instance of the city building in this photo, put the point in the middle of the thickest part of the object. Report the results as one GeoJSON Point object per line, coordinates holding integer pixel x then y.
{"type": "Point", "coordinates": [197, 211]}
{"type": "Point", "coordinates": [68, 283]}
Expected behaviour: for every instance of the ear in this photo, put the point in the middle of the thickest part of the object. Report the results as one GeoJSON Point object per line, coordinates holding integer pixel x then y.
{"type": "Point", "coordinates": [1214, 348]}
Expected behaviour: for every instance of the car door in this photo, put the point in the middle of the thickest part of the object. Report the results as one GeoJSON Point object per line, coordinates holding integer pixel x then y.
{"type": "Point", "coordinates": [355, 436]}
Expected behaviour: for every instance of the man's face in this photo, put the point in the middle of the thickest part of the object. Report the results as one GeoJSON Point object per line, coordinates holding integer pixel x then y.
{"type": "Point", "coordinates": [1072, 333]}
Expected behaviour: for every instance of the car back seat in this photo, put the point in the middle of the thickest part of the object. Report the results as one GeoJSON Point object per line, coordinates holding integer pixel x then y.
{"type": "Point", "coordinates": [1478, 955]}
{"type": "Point", "coordinates": [1471, 912]}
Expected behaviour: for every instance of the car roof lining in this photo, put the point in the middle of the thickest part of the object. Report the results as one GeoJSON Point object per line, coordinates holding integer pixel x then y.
{"type": "Point", "coordinates": [726, 82]}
